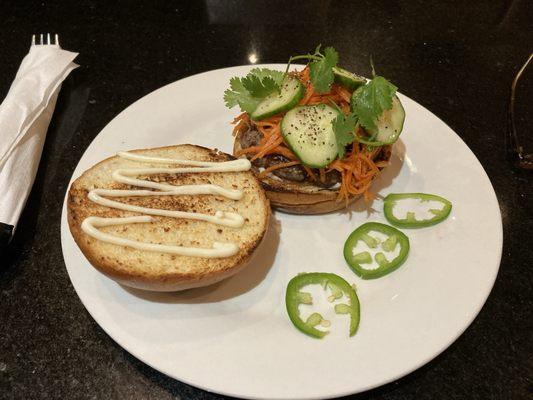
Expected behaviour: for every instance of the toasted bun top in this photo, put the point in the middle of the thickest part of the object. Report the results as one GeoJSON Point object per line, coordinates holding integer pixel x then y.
{"type": "Point", "coordinates": [154, 270]}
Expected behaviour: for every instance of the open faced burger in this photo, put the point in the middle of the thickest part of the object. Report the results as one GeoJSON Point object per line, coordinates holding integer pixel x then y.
{"type": "Point", "coordinates": [317, 137]}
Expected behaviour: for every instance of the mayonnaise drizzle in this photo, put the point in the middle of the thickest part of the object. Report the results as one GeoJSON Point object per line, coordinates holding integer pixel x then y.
{"type": "Point", "coordinates": [129, 176]}
{"type": "Point", "coordinates": [90, 225]}
{"type": "Point", "coordinates": [123, 176]}
{"type": "Point", "coordinates": [240, 164]}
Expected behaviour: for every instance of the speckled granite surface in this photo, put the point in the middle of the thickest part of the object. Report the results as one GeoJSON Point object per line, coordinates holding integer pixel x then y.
{"type": "Point", "coordinates": [455, 58]}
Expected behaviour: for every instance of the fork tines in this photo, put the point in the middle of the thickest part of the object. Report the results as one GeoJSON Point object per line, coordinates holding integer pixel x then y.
{"type": "Point", "coordinates": [45, 40]}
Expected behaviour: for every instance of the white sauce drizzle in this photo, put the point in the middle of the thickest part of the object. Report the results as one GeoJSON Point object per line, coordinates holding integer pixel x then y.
{"type": "Point", "coordinates": [129, 176]}
{"type": "Point", "coordinates": [90, 225]}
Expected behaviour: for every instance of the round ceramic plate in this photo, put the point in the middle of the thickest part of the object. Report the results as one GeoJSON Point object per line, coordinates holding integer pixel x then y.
{"type": "Point", "coordinates": [235, 337]}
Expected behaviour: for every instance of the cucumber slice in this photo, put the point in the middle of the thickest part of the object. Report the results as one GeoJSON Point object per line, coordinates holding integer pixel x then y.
{"type": "Point", "coordinates": [389, 125]}
{"type": "Point", "coordinates": [308, 131]}
{"type": "Point", "coordinates": [292, 91]}
{"type": "Point", "coordinates": [347, 79]}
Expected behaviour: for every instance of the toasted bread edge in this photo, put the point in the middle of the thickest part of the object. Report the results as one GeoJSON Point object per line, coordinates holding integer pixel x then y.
{"type": "Point", "coordinates": [172, 281]}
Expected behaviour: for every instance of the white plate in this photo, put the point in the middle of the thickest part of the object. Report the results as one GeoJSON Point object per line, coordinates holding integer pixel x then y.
{"type": "Point", "coordinates": [235, 338]}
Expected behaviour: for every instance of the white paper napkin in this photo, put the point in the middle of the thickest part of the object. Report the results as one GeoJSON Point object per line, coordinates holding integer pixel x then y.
{"type": "Point", "coordinates": [24, 118]}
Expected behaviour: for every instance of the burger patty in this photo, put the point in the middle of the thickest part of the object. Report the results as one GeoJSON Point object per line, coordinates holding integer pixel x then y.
{"type": "Point", "coordinates": [250, 138]}
{"type": "Point", "coordinates": [295, 173]}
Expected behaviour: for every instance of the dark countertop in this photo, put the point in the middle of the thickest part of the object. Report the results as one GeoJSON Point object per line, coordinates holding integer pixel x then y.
{"type": "Point", "coordinates": [455, 58]}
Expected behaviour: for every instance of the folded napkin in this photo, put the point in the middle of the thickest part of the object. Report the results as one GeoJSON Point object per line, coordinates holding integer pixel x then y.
{"type": "Point", "coordinates": [24, 118]}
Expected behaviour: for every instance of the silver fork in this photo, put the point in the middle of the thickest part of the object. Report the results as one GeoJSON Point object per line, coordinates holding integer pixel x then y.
{"type": "Point", "coordinates": [45, 40]}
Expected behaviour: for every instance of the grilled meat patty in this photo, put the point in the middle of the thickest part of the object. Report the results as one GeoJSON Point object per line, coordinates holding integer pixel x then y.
{"type": "Point", "coordinates": [296, 173]}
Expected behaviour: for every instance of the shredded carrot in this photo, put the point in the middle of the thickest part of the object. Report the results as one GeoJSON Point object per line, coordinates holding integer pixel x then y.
{"type": "Point", "coordinates": [322, 172]}
{"type": "Point", "coordinates": [357, 168]}
{"type": "Point", "coordinates": [308, 94]}
{"type": "Point", "coordinates": [242, 122]}
{"type": "Point", "coordinates": [358, 171]}
{"type": "Point", "coordinates": [240, 117]}
{"type": "Point", "coordinates": [284, 151]}
{"type": "Point", "coordinates": [277, 166]}
{"type": "Point", "coordinates": [253, 149]}
{"type": "Point", "coordinates": [382, 164]}
{"type": "Point", "coordinates": [310, 172]}
{"type": "Point", "coordinates": [269, 143]}
{"type": "Point", "coordinates": [342, 92]}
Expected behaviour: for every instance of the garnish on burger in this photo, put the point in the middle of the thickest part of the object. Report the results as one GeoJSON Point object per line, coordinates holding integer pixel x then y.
{"type": "Point", "coordinates": [317, 137]}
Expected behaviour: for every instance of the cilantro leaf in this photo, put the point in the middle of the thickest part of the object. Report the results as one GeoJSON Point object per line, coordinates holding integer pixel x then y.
{"type": "Point", "coordinates": [321, 70]}
{"type": "Point", "coordinates": [259, 87]}
{"type": "Point", "coordinates": [248, 92]}
{"type": "Point", "coordinates": [262, 73]}
{"type": "Point", "coordinates": [238, 95]}
{"type": "Point", "coordinates": [372, 99]}
{"type": "Point", "coordinates": [344, 128]}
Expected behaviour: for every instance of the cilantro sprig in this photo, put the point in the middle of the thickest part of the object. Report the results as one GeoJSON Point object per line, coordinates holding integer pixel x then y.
{"type": "Point", "coordinates": [248, 92]}
{"type": "Point", "coordinates": [345, 127]}
{"type": "Point", "coordinates": [370, 100]}
{"type": "Point", "coordinates": [320, 67]}
{"type": "Point", "coordinates": [368, 103]}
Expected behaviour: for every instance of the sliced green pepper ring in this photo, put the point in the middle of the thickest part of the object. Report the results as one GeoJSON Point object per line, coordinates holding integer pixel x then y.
{"type": "Point", "coordinates": [410, 220]}
{"type": "Point", "coordinates": [394, 238]}
{"type": "Point", "coordinates": [294, 297]}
